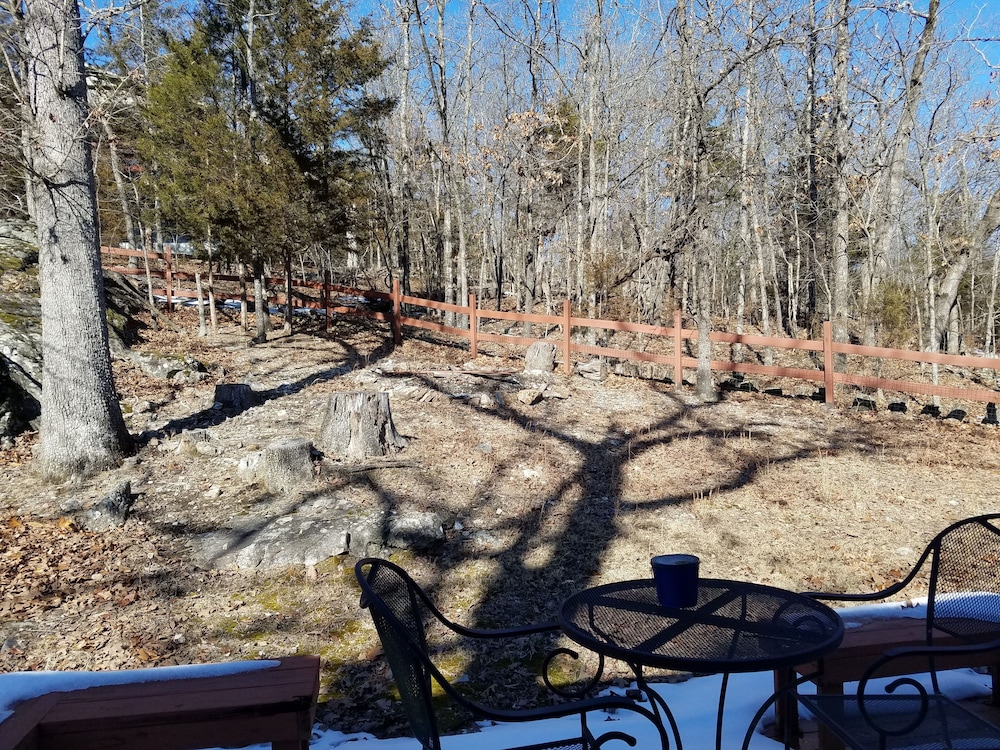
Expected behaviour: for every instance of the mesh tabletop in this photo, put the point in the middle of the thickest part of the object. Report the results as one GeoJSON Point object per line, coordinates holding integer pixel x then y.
{"type": "Point", "coordinates": [734, 627]}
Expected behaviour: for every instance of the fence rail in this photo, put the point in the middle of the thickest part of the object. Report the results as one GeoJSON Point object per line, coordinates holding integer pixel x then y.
{"type": "Point", "coordinates": [673, 338]}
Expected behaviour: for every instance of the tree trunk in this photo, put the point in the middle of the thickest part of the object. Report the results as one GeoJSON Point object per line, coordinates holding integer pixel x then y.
{"type": "Point", "coordinates": [947, 291]}
{"type": "Point", "coordinates": [289, 306]}
{"type": "Point", "coordinates": [82, 429]}
{"type": "Point", "coordinates": [357, 425]}
{"type": "Point", "coordinates": [888, 234]}
{"type": "Point", "coordinates": [130, 233]}
{"type": "Point", "coordinates": [261, 306]}
{"type": "Point", "coordinates": [840, 261]}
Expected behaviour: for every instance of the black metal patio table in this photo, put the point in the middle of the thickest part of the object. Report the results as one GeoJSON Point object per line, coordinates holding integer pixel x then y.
{"type": "Point", "coordinates": [734, 627]}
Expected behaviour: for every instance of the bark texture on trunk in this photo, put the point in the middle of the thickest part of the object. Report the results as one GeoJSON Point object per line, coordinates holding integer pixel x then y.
{"type": "Point", "coordinates": [358, 425]}
{"type": "Point", "coordinates": [82, 429]}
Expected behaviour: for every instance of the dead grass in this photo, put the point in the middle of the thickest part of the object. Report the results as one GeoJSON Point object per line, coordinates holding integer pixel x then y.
{"type": "Point", "coordinates": [540, 501]}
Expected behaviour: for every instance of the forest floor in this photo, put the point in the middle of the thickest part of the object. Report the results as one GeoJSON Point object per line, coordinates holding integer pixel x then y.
{"type": "Point", "coordinates": [539, 501]}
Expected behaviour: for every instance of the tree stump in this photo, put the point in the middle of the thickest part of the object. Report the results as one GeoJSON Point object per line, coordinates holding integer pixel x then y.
{"type": "Point", "coordinates": [357, 425]}
{"type": "Point", "coordinates": [540, 358]}
{"type": "Point", "coordinates": [285, 464]}
{"type": "Point", "coordinates": [236, 397]}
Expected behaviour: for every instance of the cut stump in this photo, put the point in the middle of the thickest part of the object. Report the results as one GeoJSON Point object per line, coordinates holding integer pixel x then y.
{"type": "Point", "coordinates": [357, 425]}
{"type": "Point", "coordinates": [236, 397]}
{"type": "Point", "coordinates": [285, 464]}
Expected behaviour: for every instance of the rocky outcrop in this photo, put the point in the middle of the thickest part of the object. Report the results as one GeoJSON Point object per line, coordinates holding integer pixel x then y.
{"type": "Point", "coordinates": [21, 332]}
{"type": "Point", "coordinates": [332, 527]}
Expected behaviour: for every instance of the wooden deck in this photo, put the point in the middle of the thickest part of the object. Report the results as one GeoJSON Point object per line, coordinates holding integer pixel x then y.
{"type": "Point", "coordinates": [860, 648]}
{"type": "Point", "coordinates": [275, 705]}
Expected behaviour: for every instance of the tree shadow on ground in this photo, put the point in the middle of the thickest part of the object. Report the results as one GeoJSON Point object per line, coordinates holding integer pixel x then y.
{"type": "Point", "coordinates": [217, 414]}
{"type": "Point", "coordinates": [562, 538]}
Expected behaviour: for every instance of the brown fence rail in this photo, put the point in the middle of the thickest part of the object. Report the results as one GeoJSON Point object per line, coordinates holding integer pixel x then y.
{"type": "Point", "coordinates": [672, 338]}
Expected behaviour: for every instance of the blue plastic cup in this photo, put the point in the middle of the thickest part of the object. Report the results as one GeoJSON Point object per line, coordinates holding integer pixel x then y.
{"type": "Point", "coordinates": [676, 578]}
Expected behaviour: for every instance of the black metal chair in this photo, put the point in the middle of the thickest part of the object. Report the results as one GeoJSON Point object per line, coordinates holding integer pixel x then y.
{"type": "Point", "coordinates": [402, 612]}
{"type": "Point", "coordinates": [962, 565]}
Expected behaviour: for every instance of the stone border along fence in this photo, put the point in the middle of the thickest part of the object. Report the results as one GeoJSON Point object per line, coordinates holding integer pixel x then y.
{"type": "Point", "coordinates": [335, 299]}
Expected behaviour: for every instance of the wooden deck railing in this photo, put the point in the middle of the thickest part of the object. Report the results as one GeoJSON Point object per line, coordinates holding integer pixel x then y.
{"type": "Point", "coordinates": [670, 350]}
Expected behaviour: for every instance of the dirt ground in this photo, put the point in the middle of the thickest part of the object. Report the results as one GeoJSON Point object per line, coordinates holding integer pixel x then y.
{"type": "Point", "coordinates": [539, 501]}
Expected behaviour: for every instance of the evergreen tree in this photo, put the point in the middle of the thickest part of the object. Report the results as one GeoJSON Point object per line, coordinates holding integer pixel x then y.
{"type": "Point", "coordinates": [256, 126]}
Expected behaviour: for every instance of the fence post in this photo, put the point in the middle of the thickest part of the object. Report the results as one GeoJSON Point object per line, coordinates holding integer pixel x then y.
{"type": "Point", "coordinates": [326, 297]}
{"type": "Point", "coordinates": [828, 362]}
{"type": "Point", "coordinates": [567, 339]}
{"type": "Point", "coordinates": [678, 349]}
{"type": "Point", "coordinates": [168, 277]}
{"type": "Point", "coordinates": [202, 329]}
{"type": "Point", "coordinates": [244, 304]}
{"type": "Point", "coordinates": [397, 323]}
{"type": "Point", "coordinates": [473, 327]}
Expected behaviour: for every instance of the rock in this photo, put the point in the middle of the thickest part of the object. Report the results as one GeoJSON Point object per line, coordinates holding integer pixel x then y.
{"type": "Point", "coordinates": [206, 448]}
{"type": "Point", "coordinates": [20, 358]}
{"type": "Point", "coordinates": [530, 396]}
{"type": "Point", "coordinates": [595, 369]}
{"type": "Point", "coordinates": [416, 531]}
{"type": "Point", "coordinates": [186, 447]}
{"type": "Point", "coordinates": [247, 468]}
{"type": "Point", "coordinates": [292, 540]}
{"type": "Point", "coordinates": [13, 643]}
{"type": "Point", "coordinates": [21, 343]}
{"type": "Point", "coordinates": [540, 358]}
{"type": "Point", "coordinates": [483, 400]}
{"type": "Point", "coordinates": [405, 392]}
{"type": "Point", "coordinates": [169, 367]}
{"type": "Point", "coordinates": [111, 511]}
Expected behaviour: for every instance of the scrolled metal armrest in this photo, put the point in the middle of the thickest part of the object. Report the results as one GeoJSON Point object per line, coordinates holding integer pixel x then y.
{"type": "Point", "coordinates": [578, 692]}
{"type": "Point", "coordinates": [913, 720]}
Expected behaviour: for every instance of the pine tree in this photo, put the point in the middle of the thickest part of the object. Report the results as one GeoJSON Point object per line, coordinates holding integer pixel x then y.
{"type": "Point", "coordinates": [256, 126]}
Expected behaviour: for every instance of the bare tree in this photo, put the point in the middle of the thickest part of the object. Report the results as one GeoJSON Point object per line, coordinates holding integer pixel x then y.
{"type": "Point", "coordinates": [82, 429]}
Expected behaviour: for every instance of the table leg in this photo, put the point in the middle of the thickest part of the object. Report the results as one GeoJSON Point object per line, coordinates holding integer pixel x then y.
{"type": "Point", "coordinates": [658, 704]}
{"type": "Point", "coordinates": [785, 695]}
{"type": "Point", "coordinates": [786, 708]}
{"type": "Point", "coordinates": [827, 740]}
{"type": "Point", "coordinates": [722, 711]}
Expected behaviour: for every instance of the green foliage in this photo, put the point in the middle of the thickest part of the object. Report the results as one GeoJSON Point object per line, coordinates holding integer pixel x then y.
{"type": "Point", "coordinates": [894, 316]}
{"type": "Point", "coordinates": [259, 147]}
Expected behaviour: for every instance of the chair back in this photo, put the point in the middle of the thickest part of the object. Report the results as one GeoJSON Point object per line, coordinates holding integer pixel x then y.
{"type": "Point", "coordinates": [400, 610]}
{"type": "Point", "coordinates": [964, 590]}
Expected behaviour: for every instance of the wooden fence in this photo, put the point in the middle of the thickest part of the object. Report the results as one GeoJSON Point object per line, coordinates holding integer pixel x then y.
{"type": "Point", "coordinates": [669, 340]}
